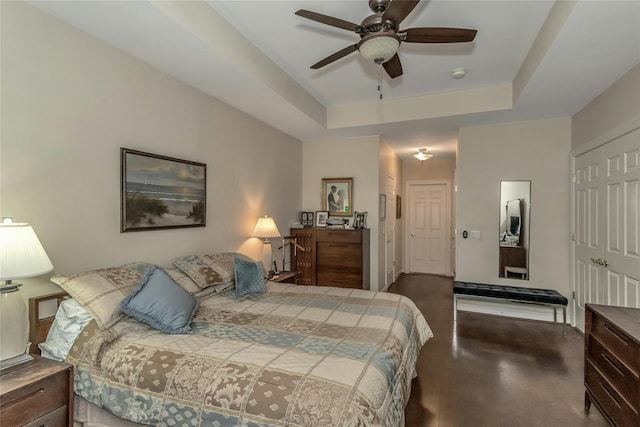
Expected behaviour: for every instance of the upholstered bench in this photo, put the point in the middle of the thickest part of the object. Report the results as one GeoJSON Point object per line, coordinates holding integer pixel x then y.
{"type": "Point", "coordinates": [547, 297]}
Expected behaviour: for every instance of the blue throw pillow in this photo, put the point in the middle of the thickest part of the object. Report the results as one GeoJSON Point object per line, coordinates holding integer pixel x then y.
{"type": "Point", "coordinates": [161, 303]}
{"type": "Point", "coordinates": [249, 277]}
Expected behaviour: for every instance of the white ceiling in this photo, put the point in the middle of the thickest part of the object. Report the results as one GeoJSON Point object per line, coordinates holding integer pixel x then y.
{"type": "Point", "coordinates": [530, 60]}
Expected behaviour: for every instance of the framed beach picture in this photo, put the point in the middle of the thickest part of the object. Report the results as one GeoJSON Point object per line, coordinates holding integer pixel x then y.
{"type": "Point", "coordinates": [337, 196]}
{"type": "Point", "coordinates": [159, 192]}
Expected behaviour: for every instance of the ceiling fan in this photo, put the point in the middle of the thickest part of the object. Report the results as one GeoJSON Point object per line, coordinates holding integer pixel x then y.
{"type": "Point", "coordinates": [380, 35]}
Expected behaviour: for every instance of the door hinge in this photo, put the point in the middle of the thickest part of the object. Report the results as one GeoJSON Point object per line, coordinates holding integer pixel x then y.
{"type": "Point", "coordinates": [573, 295]}
{"type": "Point", "coordinates": [574, 178]}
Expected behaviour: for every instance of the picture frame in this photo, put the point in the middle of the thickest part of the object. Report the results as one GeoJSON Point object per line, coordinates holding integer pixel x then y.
{"type": "Point", "coordinates": [337, 196]}
{"type": "Point", "coordinates": [321, 218]}
{"type": "Point", "coordinates": [307, 219]}
{"type": "Point", "coordinates": [398, 206]}
{"type": "Point", "coordinates": [360, 220]}
{"type": "Point", "coordinates": [382, 206]}
{"type": "Point", "coordinates": [159, 192]}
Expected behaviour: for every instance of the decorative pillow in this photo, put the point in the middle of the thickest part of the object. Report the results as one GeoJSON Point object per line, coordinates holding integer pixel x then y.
{"type": "Point", "coordinates": [208, 270]}
{"type": "Point", "coordinates": [100, 291]}
{"type": "Point", "coordinates": [70, 319]}
{"type": "Point", "coordinates": [188, 284]}
{"type": "Point", "coordinates": [249, 277]}
{"type": "Point", "coordinates": [161, 303]}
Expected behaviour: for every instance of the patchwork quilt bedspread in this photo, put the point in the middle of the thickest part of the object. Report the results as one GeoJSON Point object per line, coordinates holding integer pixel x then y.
{"type": "Point", "coordinates": [293, 356]}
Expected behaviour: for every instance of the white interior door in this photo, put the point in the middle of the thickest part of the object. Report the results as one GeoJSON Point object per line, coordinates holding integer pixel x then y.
{"type": "Point", "coordinates": [588, 241]}
{"type": "Point", "coordinates": [607, 253]}
{"type": "Point", "coordinates": [390, 231]}
{"type": "Point", "coordinates": [621, 251]}
{"type": "Point", "coordinates": [428, 217]}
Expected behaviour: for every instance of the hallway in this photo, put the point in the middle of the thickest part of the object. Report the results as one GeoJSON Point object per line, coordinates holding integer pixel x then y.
{"type": "Point", "coordinates": [492, 371]}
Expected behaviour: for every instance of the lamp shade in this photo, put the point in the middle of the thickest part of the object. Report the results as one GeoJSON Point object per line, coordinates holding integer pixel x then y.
{"type": "Point", "coordinates": [266, 228]}
{"type": "Point", "coordinates": [21, 254]}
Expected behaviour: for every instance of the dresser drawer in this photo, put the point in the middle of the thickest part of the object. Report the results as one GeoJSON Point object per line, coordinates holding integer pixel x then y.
{"type": "Point", "coordinates": [340, 279]}
{"type": "Point", "coordinates": [335, 254]}
{"type": "Point", "coordinates": [626, 382]}
{"type": "Point", "coordinates": [614, 406]}
{"type": "Point", "coordinates": [57, 418]}
{"type": "Point", "coordinates": [35, 400]}
{"type": "Point", "coordinates": [336, 236]}
{"type": "Point", "coordinates": [616, 341]}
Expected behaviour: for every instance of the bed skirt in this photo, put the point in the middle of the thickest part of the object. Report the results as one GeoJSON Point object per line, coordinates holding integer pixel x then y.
{"type": "Point", "coordinates": [86, 414]}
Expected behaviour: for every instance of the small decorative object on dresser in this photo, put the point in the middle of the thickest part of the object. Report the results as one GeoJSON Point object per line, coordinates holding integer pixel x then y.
{"type": "Point", "coordinates": [321, 218]}
{"type": "Point", "coordinates": [38, 393]}
{"type": "Point", "coordinates": [612, 363]}
{"type": "Point", "coordinates": [306, 219]}
{"type": "Point", "coordinates": [360, 220]}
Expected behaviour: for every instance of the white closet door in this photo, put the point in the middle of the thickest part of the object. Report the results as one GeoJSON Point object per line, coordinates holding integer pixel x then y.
{"type": "Point", "coordinates": [607, 252]}
{"type": "Point", "coordinates": [588, 238]}
{"type": "Point", "coordinates": [621, 251]}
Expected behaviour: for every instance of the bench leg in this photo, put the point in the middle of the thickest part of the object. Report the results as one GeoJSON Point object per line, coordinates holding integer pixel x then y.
{"type": "Point", "coordinates": [455, 307]}
{"type": "Point", "coordinates": [555, 315]}
{"type": "Point", "coordinates": [564, 321]}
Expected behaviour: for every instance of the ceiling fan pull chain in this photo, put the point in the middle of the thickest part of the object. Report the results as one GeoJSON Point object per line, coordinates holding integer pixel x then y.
{"type": "Point", "coordinates": [380, 80]}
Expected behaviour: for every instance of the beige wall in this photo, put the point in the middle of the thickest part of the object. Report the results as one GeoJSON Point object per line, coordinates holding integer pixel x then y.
{"type": "Point", "coordinates": [616, 108]}
{"type": "Point", "coordinates": [538, 151]}
{"type": "Point", "coordinates": [70, 101]}
{"type": "Point", "coordinates": [355, 158]}
{"type": "Point", "coordinates": [434, 169]}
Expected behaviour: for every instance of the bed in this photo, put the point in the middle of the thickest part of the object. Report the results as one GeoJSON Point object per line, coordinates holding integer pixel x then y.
{"type": "Point", "coordinates": [287, 356]}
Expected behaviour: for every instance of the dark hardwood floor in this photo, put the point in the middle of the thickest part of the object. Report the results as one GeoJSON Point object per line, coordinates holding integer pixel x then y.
{"type": "Point", "coordinates": [493, 371]}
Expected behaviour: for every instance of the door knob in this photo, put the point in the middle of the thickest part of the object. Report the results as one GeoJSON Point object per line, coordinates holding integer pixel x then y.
{"type": "Point", "coordinates": [599, 261]}
{"type": "Point", "coordinates": [413, 235]}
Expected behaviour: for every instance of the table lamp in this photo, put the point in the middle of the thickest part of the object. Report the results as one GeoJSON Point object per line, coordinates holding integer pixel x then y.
{"type": "Point", "coordinates": [21, 256]}
{"type": "Point", "coordinates": [266, 229]}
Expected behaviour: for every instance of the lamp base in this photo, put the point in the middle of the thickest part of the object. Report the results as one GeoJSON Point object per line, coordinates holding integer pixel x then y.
{"type": "Point", "coordinates": [15, 361]}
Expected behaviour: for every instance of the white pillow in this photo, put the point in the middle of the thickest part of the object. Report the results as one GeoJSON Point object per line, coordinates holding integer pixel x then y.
{"type": "Point", "coordinates": [71, 318]}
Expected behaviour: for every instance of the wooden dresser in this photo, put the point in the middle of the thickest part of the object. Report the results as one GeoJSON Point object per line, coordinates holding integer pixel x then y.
{"type": "Point", "coordinates": [39, 393]}
{"type": "Point", "coordinates": [332, 257]}
{"type": "Point", "coordinates": [512, 256]}
{"type": "Point", "coordinates": [612, 363]}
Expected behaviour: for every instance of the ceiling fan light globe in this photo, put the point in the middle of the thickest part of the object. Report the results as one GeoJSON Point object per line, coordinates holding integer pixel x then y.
{"type": "Point", "coordinates": [379, 48]}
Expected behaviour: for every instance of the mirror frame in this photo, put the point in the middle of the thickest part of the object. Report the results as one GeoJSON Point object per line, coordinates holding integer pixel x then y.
{"type": "Point", "coordinates": [514, 253]}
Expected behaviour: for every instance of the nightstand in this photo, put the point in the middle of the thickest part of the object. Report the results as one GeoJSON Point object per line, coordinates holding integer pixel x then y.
{"type": "Point", "coordinates": [286, 277]}
{"type": "Point", "coordinates": [38, 393]}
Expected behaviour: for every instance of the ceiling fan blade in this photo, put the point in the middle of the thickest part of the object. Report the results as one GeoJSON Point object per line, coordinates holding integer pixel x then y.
{"type": "Point", "coordinates": [438, 35]}
{"type": "Point", "coordinates": [398, 10]}
{"type": "Point", "coordinates": [339, 54]}
{"type": "Point", "coordinates": [393, 67]}
{"type": "Point", "coordinates": [330, 20]}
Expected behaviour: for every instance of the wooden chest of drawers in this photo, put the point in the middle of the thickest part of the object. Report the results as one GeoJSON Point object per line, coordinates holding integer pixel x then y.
{"type": "Point", "coordinates": [612, 363]}
{"type": "Point", "coordinates": [37, 394]}
{"type": "Point", "coordinates": [333, 257]}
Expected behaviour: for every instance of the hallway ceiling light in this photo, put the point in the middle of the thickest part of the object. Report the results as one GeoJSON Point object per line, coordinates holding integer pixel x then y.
{"type": "Point", "coordinates": [422, 154]}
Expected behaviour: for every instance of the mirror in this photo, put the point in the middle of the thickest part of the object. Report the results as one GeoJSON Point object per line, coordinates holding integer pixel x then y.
{"type": "Point", "coordinates": [515, 197]}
